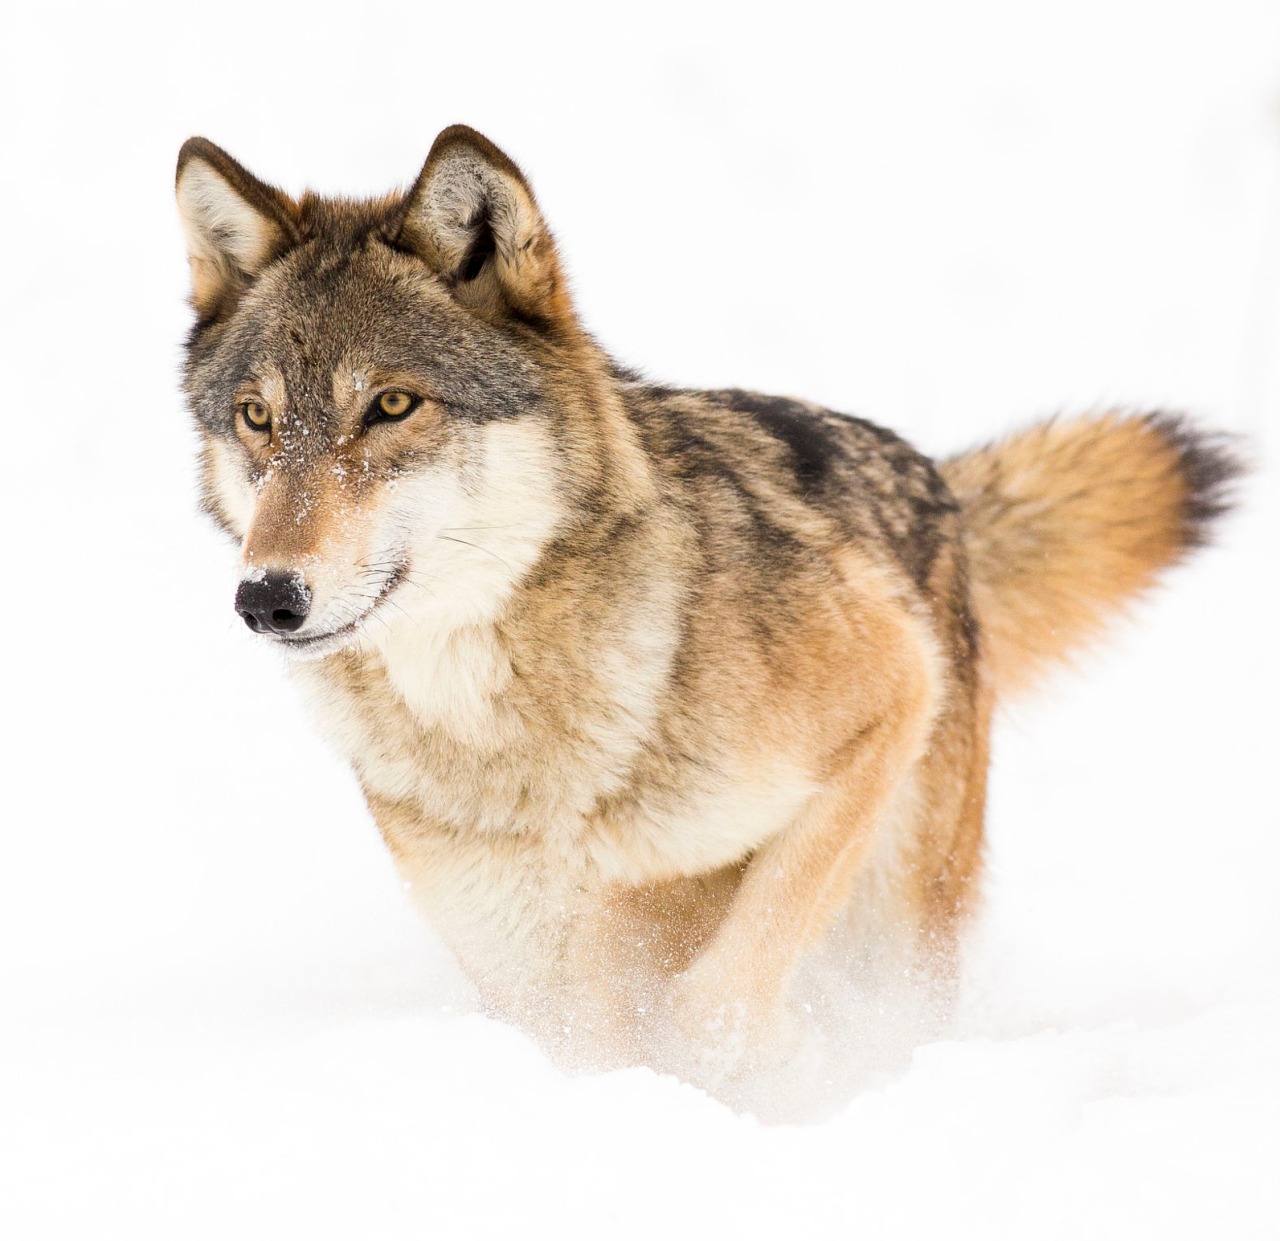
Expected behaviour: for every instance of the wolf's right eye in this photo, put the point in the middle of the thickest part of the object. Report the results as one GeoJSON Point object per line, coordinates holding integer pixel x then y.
{"type": "Point", "coordinates": [255, 415]}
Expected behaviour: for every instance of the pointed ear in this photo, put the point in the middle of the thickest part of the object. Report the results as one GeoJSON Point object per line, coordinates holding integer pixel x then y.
{"type": "Point", "coordinates": [235, 224]}
{"type": "Point", "coordinates": [472, 217]}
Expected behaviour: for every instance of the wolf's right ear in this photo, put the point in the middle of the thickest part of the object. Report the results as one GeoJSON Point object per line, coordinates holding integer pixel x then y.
{"type": "Point", "coordinates": [235, 224]}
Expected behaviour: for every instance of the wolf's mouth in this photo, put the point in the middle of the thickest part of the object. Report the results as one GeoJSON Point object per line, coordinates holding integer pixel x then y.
{"type": "Point", "coordinates": [316, 646]}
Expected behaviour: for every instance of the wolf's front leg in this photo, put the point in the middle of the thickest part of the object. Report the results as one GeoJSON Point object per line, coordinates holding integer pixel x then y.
{"type": "Point", "coordinates": [505, 914]}
{"type": "Point", "coordinates": [728, 1008]}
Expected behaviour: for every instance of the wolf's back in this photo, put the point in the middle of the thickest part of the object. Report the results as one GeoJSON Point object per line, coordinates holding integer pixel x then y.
{"type": "Point", "coordinates": [1066, 522]}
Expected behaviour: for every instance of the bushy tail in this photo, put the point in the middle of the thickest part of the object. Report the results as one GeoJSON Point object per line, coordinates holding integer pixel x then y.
{"type": "Point", "coordinates": [1066, 522]}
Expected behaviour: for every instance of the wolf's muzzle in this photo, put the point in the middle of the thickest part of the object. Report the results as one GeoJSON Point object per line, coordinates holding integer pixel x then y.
{"type": "Point", "coordinates": [274, 603]}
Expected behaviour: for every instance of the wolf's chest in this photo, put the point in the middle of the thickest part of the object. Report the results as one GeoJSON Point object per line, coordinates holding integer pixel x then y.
{"type": "Point", "coordinates": [455, 734]}
{"type": "Point", "coordinates": [448, 727]}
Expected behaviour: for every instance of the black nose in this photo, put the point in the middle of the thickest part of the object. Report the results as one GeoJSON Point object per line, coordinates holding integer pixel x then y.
{"type": "Point", "coordinates": [274, 603]}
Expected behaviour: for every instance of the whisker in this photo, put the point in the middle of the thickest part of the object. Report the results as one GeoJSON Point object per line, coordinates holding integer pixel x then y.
{"type": "Point", "coordinates": [391, 603]}
{"type": "Point", "coordinates": [478, 548]}
{"type": "Point", "coordinates": [513, 526]}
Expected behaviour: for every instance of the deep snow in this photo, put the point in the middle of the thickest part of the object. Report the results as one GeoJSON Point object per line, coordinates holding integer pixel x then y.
{"type": "Point", "coordinates": [218, 1016]}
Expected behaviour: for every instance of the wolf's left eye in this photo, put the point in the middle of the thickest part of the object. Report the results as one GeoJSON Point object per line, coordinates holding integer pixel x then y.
{"type": "Point", "coordinates": [255, 415]}
{"type": "Point", "coordinates": [391, 406]}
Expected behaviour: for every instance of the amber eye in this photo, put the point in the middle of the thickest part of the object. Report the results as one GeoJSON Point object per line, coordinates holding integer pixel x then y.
{"type": "Point", "coordinates": [395, 404]}
{"type": "Point", "coordinates": [256, 415]}
{"type": "Point", "coordinates": [391, 407]}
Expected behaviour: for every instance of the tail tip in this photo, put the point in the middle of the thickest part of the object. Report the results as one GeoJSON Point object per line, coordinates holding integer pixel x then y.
{"type": "Point", "coordinates": [1211, 466]}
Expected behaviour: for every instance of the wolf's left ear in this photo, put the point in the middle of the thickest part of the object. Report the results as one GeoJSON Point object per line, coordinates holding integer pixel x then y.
{"type": "Point", "coordinates": [235, 224]}
{"type": "Point", "coordinates": [472, 216]}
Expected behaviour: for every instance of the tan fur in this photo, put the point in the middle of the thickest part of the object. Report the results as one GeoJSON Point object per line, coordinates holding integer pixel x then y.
{"type": "Point", "coordinates": [1067, 521]}
{"type": "Point", "coordinates": [645, 688]}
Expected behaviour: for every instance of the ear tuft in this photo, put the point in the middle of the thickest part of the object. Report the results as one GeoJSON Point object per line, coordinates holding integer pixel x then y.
{"type": "Point", "coordinates": [235, 224]}
{"type": "Point", "coordinates": [472, 217]}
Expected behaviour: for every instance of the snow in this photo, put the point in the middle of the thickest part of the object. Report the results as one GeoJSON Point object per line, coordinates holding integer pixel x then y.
{"type": "Point", "coordinates": [218, 1014]}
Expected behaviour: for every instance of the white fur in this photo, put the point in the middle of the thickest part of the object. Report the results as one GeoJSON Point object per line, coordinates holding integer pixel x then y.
{"type": "Point", "coordinates": [468, 548]}
{"type": "Point", "coordinates": [734, 813]}
{"type": "Point", "coordinates": [236, 495]}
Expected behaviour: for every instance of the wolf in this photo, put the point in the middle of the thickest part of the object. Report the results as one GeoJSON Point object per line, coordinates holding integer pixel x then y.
{"type": "Point", "coordinates": [647, 689]}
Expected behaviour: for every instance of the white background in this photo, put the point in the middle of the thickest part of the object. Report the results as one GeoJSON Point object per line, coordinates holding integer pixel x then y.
{"type": "Point", "coordinates": [218, 1017]}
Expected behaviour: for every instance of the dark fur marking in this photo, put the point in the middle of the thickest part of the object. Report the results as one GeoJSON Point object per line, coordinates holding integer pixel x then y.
{"type": "Point", "coordinates": [481, 250]}
{"type": "Point", "coordinates": [1211, 468]}
{"type": "Point", "coordinates": [778, 550]}
{"type": "Point", "coordinates": [879, 489]}
{"type": "Point", "coordinates": [811, 442]}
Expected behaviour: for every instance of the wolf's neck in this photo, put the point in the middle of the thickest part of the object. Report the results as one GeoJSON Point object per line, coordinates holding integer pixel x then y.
{"type": "Point", "coordinates": [450, 677]}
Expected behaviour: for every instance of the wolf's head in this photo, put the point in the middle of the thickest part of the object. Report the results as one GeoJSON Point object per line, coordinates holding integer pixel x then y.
{"type": "Point", "coordinates": [395, 396]}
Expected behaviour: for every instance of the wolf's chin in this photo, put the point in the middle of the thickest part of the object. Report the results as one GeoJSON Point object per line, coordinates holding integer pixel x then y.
{"type": "Point", "coordinates": [323, 644]}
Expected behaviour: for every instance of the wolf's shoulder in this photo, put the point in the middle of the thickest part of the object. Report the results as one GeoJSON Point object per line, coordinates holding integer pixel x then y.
{"type": "Point", "coordinates": [817, 445]}
{"type": "Point", "coordinates": [865, 476]}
